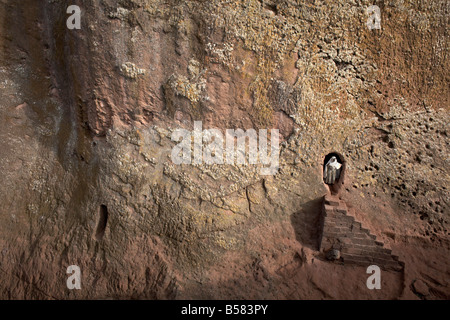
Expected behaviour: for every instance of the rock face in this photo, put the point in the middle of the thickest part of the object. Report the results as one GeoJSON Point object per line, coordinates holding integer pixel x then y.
{"type": "Point", "coordinates": [87, 118]}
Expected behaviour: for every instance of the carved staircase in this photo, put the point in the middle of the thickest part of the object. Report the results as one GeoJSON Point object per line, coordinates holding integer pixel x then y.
{"type": "Point", "coordinates": [340, 231]}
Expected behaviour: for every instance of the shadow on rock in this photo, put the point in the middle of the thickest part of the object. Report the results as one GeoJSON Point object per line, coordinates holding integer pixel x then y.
{"type": "Point", "coordinates": [306, 223]}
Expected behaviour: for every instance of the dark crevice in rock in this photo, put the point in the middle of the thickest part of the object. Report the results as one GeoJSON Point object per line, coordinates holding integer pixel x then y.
{"type": "Point", "coordinates": [102, 222]}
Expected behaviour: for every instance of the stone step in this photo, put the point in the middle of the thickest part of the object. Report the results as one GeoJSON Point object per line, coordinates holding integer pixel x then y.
{"type": "Point", "coordinates": [365, 230]}
{"type": "Point", "coordinates": [369, 251]}
{"type": "Point", "coordinates": [339, 223]}
{"type": "Point", "coordinates": [346, 219]}
{"type": "Point", "coordinates": [335, 235]}
{"type": "Point", "coordinates": [343, 224]}
{"type": "Point", "coordinates": [357, 225]}
{"type": "Point", "coordinates": [332, 201]}
{"type": "Point", "coordinates": [359, 235]}
{"type": "Point", "coordinates": [387, 264]}
{"type": "Point", "coordinates": [353, 258]}
{"type": "Point", "coordinates": [351, 240]}
{"type": "Point", "coordinates": [336, 229]}
{"type": "Point", "coordinates": [382, 250]}
{"type": "Point", "coordinates": [369, 248]}
{"type": "Point", "coordinates": [362, 235]}
{"type": "Point", "coordinates": [337, 216]}
{"type": "Point", "coordinates": [382, 256]}
{"type": "Point", "coordinates": [341, 209]}
{"type": "Point", "coordinates": [355, 251]}
{"type": "Point", "coordinates": [328, 208]}
{"type": "Point", "coordinates": [332, 218]}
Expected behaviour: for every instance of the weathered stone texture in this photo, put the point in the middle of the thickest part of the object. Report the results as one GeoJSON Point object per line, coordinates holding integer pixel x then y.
{"type": "Point", "coordinates": [86, 118]}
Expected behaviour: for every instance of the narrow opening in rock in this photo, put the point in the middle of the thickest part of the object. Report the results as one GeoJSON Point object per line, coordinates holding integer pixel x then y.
{"type": "Point", "coordinates": [334, 180]}
{"type": "Point", "coordinates": [102, 221]}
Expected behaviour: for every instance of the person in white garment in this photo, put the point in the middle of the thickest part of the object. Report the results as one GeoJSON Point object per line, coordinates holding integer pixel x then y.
{"type": "Point", "coordinates": [332, 171]}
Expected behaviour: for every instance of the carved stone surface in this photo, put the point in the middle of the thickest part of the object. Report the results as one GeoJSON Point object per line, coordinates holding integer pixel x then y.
{"type": "Point", "coordinates": [86, 118]}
